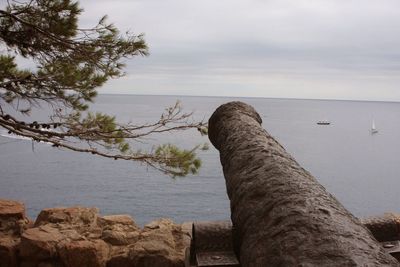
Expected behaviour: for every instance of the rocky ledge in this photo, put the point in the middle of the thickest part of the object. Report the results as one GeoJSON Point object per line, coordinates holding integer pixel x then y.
{"type": "Point", "coordinates": [79, 236]}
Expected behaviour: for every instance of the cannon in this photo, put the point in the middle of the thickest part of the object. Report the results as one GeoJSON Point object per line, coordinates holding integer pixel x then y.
{"type": "Point", "coordinates": [281, 215]}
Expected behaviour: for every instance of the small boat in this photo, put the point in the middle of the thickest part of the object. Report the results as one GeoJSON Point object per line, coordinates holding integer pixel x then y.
{"type": "Point", "coordinates": [323, 122]}
{"type": "Point", "coordinates": [373, 128]}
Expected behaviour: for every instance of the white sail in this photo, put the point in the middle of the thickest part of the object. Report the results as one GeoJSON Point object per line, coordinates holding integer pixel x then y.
{"type": "Point", "coordinates": [373, 127]}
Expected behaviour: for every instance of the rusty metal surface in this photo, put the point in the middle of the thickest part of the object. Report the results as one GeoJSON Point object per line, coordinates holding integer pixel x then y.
{"type": "Point", "coordinates": [212, 245]}
{"type": "Point", "coordinates": [212, 236]}
{"type": "Point", "coordinates": [216, 259]}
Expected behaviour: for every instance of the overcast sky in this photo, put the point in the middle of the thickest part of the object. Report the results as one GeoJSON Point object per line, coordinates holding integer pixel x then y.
{"type": "Point", "coordinates": [340, 49]}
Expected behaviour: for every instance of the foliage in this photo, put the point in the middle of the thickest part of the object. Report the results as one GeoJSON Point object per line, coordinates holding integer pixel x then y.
{"type": "Point", "coordinates": [70, 64]}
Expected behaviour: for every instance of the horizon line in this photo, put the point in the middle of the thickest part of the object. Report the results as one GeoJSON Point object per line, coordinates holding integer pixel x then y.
{"type": "Point", "coordinates": [252, 97]}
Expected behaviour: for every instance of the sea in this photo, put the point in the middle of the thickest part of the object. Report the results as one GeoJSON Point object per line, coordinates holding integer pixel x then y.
{"type": "Point", "coordinates": [362, 170]}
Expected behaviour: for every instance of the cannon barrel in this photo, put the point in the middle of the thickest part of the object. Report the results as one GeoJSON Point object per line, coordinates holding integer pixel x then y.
{"type": "Point", "coordinates": [281, 215]}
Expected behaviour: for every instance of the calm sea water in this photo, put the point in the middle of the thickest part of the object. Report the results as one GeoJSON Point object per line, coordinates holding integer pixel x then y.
{"type": "Point", "coordinates": [360, 169]}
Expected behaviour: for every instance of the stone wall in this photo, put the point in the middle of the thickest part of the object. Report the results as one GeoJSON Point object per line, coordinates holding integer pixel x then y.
{"type": "Point", "coordinates": [79, 236]}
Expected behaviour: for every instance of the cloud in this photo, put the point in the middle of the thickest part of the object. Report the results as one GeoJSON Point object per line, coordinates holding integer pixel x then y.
{"type": "Point", "coordinates": [289, 48]}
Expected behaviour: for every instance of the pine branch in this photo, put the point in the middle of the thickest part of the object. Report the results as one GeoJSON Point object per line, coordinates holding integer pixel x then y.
{"type": "Point", "coordinates": [71, 63]}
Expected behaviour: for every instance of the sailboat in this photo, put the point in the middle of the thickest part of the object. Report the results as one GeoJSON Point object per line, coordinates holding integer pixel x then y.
{"type": "Point", "coordinates": [373, 128]}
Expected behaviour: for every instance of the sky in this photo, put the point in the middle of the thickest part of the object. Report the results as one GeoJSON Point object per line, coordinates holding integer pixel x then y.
{"type": "Point", "coordinates": [324, 49]}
